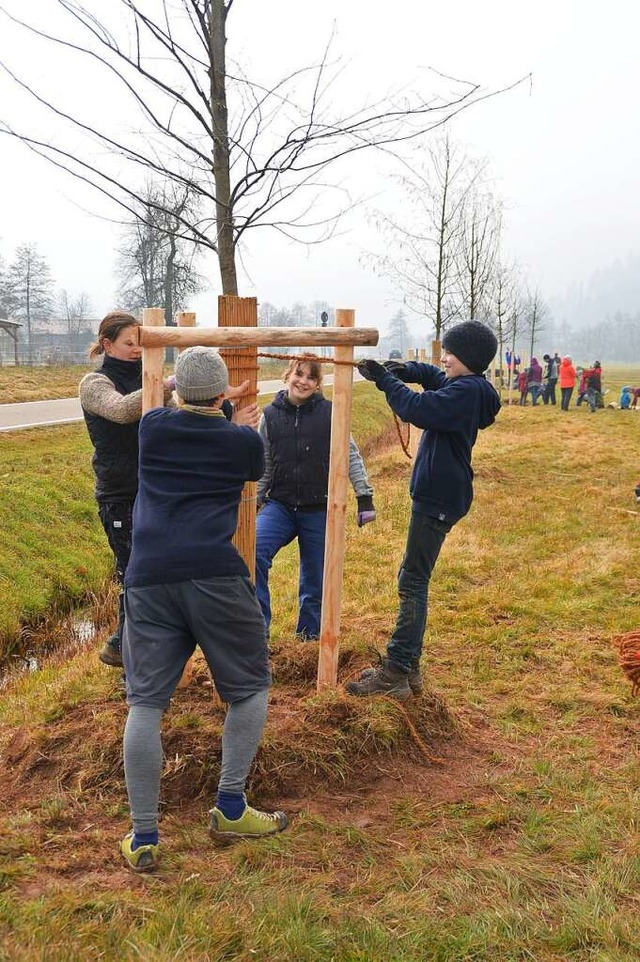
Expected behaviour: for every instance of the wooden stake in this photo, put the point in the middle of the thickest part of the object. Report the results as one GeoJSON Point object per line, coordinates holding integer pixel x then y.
{"type": "Point", "coordinates": [242, 363]}
{"type": "Point", "coordinates": [336, 510]}
{"type": "Point", "coordinates": [152, 362]}
{"type": "Point", "coordinates": [188, 319]}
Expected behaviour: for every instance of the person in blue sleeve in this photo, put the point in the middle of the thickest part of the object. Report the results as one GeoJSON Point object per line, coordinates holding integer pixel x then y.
{"type": "Point", "coordinates": [187, 585]}
{"type": "Point", "coordinates": [452, 408]}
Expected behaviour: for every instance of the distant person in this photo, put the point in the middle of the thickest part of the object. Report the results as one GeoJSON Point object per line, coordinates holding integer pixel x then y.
{"type": "Point", "coordinates": [582, 386]}
{"type": "Point", "coordinates": [550, 379]}
{"type": "Point", "coordinates": [534, 380]}
{"type": "Point", "coordinates": [567, 378]}
{"type": "Point", "coordinates": [635, 394]}
{"type": "Point", "coordinates": [523, 377]}
{"type": "Point", "coordinates": [452, 407]}
{"type": "Point", "coordinates": [186, 585]}
{"type": "Point", "coordinates": [292, 493]}
{"type": "Point", "coordinates": [593, 379]}
{"type": "Point", "coordinates": [625, 398]}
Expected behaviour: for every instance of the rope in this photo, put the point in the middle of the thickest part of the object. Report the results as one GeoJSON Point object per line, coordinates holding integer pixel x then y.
{"type": "Point", "coordinates": [629, 647]}
{"type": "Point", "coordinates": [307, 357]}
{"type": "Point", "coordinates": [404, 443]}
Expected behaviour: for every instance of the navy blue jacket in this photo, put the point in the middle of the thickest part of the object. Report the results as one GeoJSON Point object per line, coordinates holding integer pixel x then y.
{"type": "Point", "coordinates": [191, 474]}
{"type": "Point", "coordinates": [450, 412]}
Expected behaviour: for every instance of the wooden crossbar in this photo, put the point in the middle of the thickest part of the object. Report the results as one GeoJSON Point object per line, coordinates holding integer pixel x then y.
{"type": "Point", "coordinates": [255, 336]}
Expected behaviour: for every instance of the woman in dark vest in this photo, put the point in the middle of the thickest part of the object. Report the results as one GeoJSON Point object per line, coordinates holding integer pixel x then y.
{"type": "Point", "coordinates": [296, 430]}
{"type": "Point", "coordinates": [111, 399]}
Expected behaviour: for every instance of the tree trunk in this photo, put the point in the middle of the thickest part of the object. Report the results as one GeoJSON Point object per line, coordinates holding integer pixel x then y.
{"type": "Point", "coordinates": [224, 223]}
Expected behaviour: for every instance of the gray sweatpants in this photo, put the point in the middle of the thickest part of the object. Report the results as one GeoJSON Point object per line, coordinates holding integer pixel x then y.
{"type": "Point", "coordinates": [241, 736]}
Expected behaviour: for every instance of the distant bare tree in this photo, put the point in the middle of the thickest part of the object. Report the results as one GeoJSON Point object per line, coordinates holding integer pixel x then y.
{"type": "Point", "coordinates": [75, 312]}
{"type": "Point", "coordinates": [156, 264]}
{"type": "Point", "coordinates": [5, 296]}
{"type": "Point", "coordinates": [254, 154]}
{"type": "Point", "coordinates": [535, 313]}
{"type": "Point", "coordinates": [423, 247]}
{"type": "Point", "coordinates": [30, 291]}
{"type": "Point", "coordinates": [479, 252]}
{"type": "Point", "coordinates": [399, 332]}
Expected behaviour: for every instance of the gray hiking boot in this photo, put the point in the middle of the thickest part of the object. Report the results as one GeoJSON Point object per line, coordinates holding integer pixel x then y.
{"type": "Point", "coordinates": [111, 653]}
{"type": "Point", "coordinates": [414, 679]}
{"type": "Point", "coordinates": [385, 679]}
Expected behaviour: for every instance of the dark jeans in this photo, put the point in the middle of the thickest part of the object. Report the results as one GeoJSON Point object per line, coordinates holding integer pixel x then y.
{"type": "Point", "coordinates": [550, 392]}
{"type": "Point", "coordinates": [566, 397]}
{"type": "Point", "coordinates": [424, 540]}
{"type": "Point", "coordinates": [116, 521]}
{"type": "Point", "coordinates": [535, 390]}
{"type": "Point", "coordinates": [276, 526]}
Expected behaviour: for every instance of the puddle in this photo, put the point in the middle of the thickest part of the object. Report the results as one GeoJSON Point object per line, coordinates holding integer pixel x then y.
{"type": "Point", "coordinates": [76, 633]}
{"type": "Point", "coordinates": [84, 630]}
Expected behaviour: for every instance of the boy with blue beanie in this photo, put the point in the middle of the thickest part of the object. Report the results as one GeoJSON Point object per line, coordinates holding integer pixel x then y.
{"type": "Point", "coordinates": [453, 406]}
{"type": "Point", "coordinates": [186, 585]}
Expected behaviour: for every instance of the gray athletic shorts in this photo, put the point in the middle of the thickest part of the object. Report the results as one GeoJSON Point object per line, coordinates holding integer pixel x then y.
{"type": "Point", "coordinates": [164, 623]}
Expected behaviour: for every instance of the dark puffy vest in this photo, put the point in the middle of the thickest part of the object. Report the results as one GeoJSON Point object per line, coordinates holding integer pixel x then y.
{"type": "Point", "coordinates": [299, 438]}
{"type": "Point", "coordinates": [115, 460]}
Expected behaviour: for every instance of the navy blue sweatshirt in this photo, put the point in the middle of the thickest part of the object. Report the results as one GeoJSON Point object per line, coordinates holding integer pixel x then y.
{"type": "Point", "coordinates": [191, 473]}
{"type": "Point", "coordinates": [450, 412]}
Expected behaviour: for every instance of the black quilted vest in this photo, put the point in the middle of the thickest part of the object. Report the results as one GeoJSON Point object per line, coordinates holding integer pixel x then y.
{"type": "Point", "coordinates": [299, 438]}
{"type": "Point", "coordinates": [115, 460]}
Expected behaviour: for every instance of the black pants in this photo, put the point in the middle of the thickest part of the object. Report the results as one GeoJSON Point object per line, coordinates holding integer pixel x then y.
{"type": "Point", "coordinates": [116, 521]}
{"type": "Point", "coordinates": [566, 397]}
{"type": "Point", "coordinates": [550, 391]}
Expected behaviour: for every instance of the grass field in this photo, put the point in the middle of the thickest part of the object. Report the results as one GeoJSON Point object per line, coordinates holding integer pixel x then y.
{"type": "Point", "coordinates": [49, 383]}
{"type": "Point", "coordinates": [496, 818]}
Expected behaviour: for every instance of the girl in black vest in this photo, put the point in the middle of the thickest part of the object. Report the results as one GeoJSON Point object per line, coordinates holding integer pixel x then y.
{"type": "Point", "coordinates": [292, 494]}
{"type": "Point", "coordinates": [111, 399]}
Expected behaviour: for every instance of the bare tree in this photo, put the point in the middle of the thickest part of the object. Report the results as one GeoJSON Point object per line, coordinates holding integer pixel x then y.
{"type": "Point", "coordinates": [30, 290]}
{"type": "Point", "coordinates": [535, 313]}
{"type": "Point", "coordinates": [423, 246]}
{"type": "Point", "coordinates": [479, 251]}
{"type": "Point", "coordinates": [244, 148]}
{"type": "Point", "coordinates": [156, 263]}
{"type": "Point", "coordinates": [399, 332]}
{"type": "Point", "coordinates": [75, 312]}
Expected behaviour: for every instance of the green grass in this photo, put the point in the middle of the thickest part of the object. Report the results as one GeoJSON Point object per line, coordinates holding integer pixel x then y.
{"type": "Point", "coordinates": [53, 553]}
{"type": "Point", "coordinates": [523, 845]}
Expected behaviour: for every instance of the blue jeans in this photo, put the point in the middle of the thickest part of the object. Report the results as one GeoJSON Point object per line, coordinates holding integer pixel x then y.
{"type": "Point", "coordinates": [424, 540]}
{"type": "Point", "coordinates": [276, 526]}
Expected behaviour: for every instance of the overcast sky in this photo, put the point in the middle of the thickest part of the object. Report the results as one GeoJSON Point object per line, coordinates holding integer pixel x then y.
{"type": "Point", "coordinates": [564, 149]}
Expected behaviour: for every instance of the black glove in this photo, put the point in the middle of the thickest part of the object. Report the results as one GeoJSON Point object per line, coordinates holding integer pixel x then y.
{"type": "Point", "coordinates": [371, 370]}
{"type": "Point", "coordinates": [398, 369]}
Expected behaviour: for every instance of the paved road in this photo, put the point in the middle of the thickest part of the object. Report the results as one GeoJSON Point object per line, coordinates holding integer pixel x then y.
{"type": "Point", "coordinates": [38, 414]}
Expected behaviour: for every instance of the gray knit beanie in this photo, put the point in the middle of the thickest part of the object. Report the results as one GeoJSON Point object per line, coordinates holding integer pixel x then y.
{"type": "Point", "coordinates": [201, 374]}
{"type": "Point", "coordinates": [473, 343]}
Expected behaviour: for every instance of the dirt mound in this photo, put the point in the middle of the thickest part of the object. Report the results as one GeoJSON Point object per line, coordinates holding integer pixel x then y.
{"type": "Point", "coordinates": [312, 740]}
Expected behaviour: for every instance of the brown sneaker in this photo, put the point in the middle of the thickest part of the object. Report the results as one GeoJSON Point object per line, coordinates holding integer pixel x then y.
{"type": "Point", "coordinates": [385, 679]}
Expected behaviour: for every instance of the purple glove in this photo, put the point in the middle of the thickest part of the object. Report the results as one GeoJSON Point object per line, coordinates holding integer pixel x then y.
{"type": "Point", "coordinates": [366, 510]}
